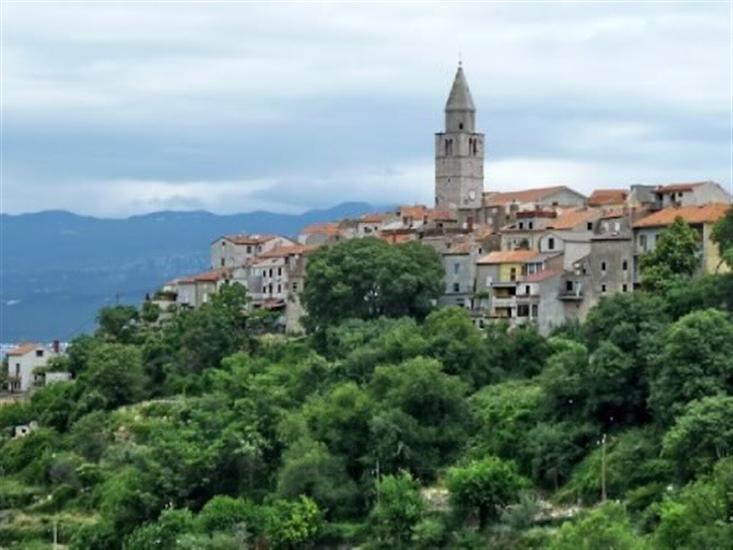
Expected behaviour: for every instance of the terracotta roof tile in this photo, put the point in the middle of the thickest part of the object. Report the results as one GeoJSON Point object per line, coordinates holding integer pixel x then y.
{"type": "Point", "coordinates": [704, 213]}
{"type": "Point", "coordinates": [416, 211]}
{"type": "Point", "coordinates": [607, 197]}
{"type": "Point", "coordinates": [210, 276]}
{"type": "Point", "coordinates": [331, 229]}
{"type": "Point", "coordinates": [508, 256]}
{"type": "Point", "coordinates": [23, 348]}
{"type": "Point", "coordinates": [373, 218]}
{"type": "Point", "coordinates": [570, 218]}
{"type": "Point", "coordinates": [440, 214]}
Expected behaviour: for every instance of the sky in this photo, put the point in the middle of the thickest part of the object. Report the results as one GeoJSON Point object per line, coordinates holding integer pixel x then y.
{"type": "Point", "coordinates": [116, 109]}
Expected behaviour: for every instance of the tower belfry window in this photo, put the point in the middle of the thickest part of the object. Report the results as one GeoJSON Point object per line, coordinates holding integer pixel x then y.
{"type": "Point", "coordinates": [460, 125]}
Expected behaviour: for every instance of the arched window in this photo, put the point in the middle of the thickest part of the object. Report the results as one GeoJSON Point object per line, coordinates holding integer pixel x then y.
{"type": "Point", "coordinates": [448, 147]}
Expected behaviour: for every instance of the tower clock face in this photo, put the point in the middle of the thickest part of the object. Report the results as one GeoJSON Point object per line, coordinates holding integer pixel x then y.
{"type": "Point", "coordinates": [472, 195]}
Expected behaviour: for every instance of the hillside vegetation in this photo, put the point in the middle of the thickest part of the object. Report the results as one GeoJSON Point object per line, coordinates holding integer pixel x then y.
{"type": "Point", "coordinates": [390, 425]}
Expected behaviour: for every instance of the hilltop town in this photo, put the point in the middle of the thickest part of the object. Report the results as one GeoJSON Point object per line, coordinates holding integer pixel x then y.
{"type": "Point", "coordinates": [538, 255]}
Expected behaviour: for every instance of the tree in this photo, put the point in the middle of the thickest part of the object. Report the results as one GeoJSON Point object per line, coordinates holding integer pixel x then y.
{"type": "Point", "coordinates": [723, 236]}
{"type": "Point", "coordinates": [484, 486]}
{"type": "Point", "coordinates": [118, 323]}
{"type": "Point", "coordinates": [695, 359]}
{"type": "Point", "coordinates": [604, 527]}
{"type": "Point", "coordinates": [293, 523]}
{"type": "Point", "coordinates": [223, 513]}
{"type": "Point", "coordinates": [116, 372]}
{"type": "Point", "coordinates": [368, 278]}
{"type": "Point", "coordinates": [423, 417]}
{"type": "Point", "coordinates": [699, 515]}
{"type": "Point", "coordinates": [457, 343]}
{"type": "Point", "coordinates": [309, 469]}
{"type": "Point", "coordinates": [701, 435]}
{"type": "Point", "coordinates": [161, 534]}
{"type": "Point", "coordinates": [398, 509]}
{"type": "Point", "coordinates": [676, 256]}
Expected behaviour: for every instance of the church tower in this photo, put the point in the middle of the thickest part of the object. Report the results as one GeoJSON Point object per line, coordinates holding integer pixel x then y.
{"type": "Point", "coordinates": [459, 151]}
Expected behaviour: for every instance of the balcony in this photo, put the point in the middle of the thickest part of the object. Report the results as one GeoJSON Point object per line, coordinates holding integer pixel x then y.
{"type": "Point", "coordinates": [571, 295]}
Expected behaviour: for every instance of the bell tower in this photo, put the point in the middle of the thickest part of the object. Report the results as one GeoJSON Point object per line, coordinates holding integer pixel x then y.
{"type": "Point", "coordinates": [459, 151]}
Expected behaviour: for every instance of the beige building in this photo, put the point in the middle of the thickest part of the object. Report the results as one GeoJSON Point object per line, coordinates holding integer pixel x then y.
{"type": "Point", "coordinates": [235, 250]}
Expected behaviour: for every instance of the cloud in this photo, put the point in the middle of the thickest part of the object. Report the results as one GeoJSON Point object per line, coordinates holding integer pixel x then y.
{"type": "Point", "coordinates": [227, 106]}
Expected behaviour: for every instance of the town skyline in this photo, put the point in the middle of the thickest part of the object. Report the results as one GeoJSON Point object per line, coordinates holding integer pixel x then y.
{"type": "Point", "coordinates": [260, 114]}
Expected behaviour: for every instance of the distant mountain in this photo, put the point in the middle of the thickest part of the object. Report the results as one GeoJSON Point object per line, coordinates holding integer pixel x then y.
{"type": "Point", "coordinates": [57, 268]}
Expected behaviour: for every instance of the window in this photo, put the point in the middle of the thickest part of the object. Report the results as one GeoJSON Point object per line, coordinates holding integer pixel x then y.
{"type": "Point", "coordinates": [456, 268]}
{"type": "Point", "coordinates": [569, 286]}
{"type": "Point", "coordinates": [456, 287]}
{"type": "Point", "coordinates": [279, 288]}
{"type": "Point", "coordinates": [460, 125]}
{"type": "Point", "coordinates": [521, 225]}
{"type": "Point", "coordinates": [513, 274]}
{"type": "Point", "coordinates": [39, 353]}
{"type": "Point", "coordinates": [603, 267]}
{"type": "Point", "coordinates": [17, 369]}
{"type": "Point", "coordinates": [603, 289]}
{"type": "Point", "coordinates": [642, 242]}
{"type": "Point", "coordinates": [223, 262]}
{"type": "Point", "coordinates": [523, 311]}
{"type": "Point", "coordinates": [534, 310]}
{"type": "Point", "coordinates": [530, 225]}
{"type": "Point", "coordinates": [625, 265]}
{"type": "Point", "coordinates": [624, 288]}
{"type": "Point", "coordinates": [223, 243]}
{"type": "Point", "coordinates": [249, 249]}
{"type": "Point", "coordinates": [448, 147]}
{"type": "Point", "coordinates": [589, 225]}
{"type": "Point", "coordinates": [527, 290]}
{"type": "Point", "coordinates": [279, 271]}
{"type": "Point", "coordinates": [551, 243]}
{"type": "Point", "coordinates": [295, 287]}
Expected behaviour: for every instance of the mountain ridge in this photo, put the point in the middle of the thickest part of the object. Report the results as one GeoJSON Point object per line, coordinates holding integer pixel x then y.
{"type": "Point", "coordinates": [58, 268]}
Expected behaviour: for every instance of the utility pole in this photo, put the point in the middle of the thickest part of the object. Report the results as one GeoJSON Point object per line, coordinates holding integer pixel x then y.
{"type": "Point", "coordinates": [603, 468]}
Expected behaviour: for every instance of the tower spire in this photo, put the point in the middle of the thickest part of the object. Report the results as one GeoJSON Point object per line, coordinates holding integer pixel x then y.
{"type": "Point", "coordinates": [459, 98]}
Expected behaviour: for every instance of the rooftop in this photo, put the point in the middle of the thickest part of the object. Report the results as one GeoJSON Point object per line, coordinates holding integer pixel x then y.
{"type": "Point", "coordinates": [607, 197]}
{"type": "Point", "coordinates": [527, 195]}
{"type": "Point", "coordinates": [571, 218]}
{"type": "Point", "coordinates": [23, 348]}
{"type": "Point", "coordinates": [245, 239]}
{"type": "Point", "coordinates": [330, 229]}
{"type": "Point", "coordinates": [508, 257]}
{"type": "Point", "coordinates": [704, 213]}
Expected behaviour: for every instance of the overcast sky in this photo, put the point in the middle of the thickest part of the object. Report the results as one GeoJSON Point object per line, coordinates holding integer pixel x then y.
{"type": "Point", "coordinates": [117, 109]}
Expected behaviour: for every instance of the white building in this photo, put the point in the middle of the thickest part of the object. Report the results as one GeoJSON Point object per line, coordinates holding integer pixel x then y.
{"type": "Point", "coordinates": [236, 250]}
{"type": "Point", "coordinates": [23, 360]}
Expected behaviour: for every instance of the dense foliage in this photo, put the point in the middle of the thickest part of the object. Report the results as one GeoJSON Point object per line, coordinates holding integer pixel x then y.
{"type": "Point", "coordinates": [386, 427]}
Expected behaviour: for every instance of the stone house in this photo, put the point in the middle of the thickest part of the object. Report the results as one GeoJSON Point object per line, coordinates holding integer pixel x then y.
{"type": "Point", "coordinates": [369, 225]}
{"type": "Point", "coordinates": [540, 198]}
{"type": "Point", "coordinates": [318, 234]}
{"type": "Point", "coordinates": [196, 290]}
{"type": "Point", "coordinates": [646, 232]}
{"type": "Point", "coordinates": [273, 269]}
{"type": "Point", "coordinates": [523, 232]}
{"type": "Point", "coordinates": [691, 194]}
{"type": "Point", "coordinates": [24, 360]}
{"type": "Point", "coordinates": [608, 198]}
{"type": "Point", "coordinates": [236, 250]}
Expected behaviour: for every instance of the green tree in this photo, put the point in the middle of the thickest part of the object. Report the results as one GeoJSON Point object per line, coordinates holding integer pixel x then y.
{"type": "Point", "coordinates": [116, 372]}
{"type": "Point", "coordinates": [367, 278]}
{"type": "Point", "coordinates": [605, 527]}
{"type": "Point", "coordinates": [484, 487]}
{"type": "Point", "coordinates": [118, 323]}
{"type": "Point", "coordinates": [701, 435]}
{"type": "Point", "coordinates": [457, 343]}
{"type": "Point", "coordinates": [398, 509]}
{"type": "Point", "coordinates": [699, 515]}
{"type": "Point", "coordinates": [423, 417]}
{"type": "Point", "coordinates": [310, 469]}
{"type": "Point", "coordinates": [676, 256]}
{"type": "Point", "coordinates": [695, 359]}
{"type": "Point", "coordinates": [723, 236]}
{"type": "Point", "coordinates": [294, 523]}
{"type": "Point", "coordinates": [162, 534]}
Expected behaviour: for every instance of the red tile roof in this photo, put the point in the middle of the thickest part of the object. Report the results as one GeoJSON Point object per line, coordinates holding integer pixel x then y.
{"type": "Point", "coordinates": [607, 197]}
{"type": "Point", "coordinates": [373, 218]}
{"type": "Point", "coordinates": [397, 238]}
{"type": "Point", "coordinates": [210, 276]}
{"type": "Point", "coordinates": [570, 218]}
{"type": "Point", "coordinates": [528, 195]}
{"type": "Point", "coordinates": [23, 348]}
{"type": "Point", "coordinates": [415, 212]}
{"type": "Point", "coordinates": [440, 214]}
{"type": "Point", "coordinates": [536, 214]}
{"type": "Point", "coordinates": [508, 257]}
{"type": "Point", "coordinates": [330, 229]}
{"type": "Point", "coordinates": [704, 213]}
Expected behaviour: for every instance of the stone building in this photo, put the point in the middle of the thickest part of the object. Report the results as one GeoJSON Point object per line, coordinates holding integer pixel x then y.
{"type": "Point", "coordinates": [459, 152]}
{"type": "Point", "coordinates": [236, 250]}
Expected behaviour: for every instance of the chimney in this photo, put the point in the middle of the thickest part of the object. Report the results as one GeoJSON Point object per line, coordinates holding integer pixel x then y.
{"type": "Point", "coordinates": [56, 346]}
